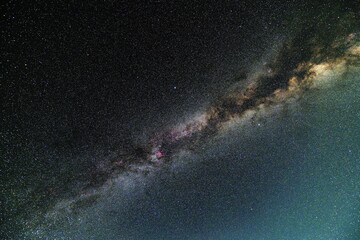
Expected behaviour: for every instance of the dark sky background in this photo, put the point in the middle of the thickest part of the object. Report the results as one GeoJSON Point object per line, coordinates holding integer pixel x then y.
{"type": "Point", "coordinates": [79, 64]}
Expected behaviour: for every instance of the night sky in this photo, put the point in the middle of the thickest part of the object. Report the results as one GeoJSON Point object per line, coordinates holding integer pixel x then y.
{"type": "Point", "coordinates": [180, 120]}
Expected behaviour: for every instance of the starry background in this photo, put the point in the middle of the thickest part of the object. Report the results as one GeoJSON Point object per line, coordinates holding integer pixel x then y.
{"type": "Point", "coordinates": [81, 79]}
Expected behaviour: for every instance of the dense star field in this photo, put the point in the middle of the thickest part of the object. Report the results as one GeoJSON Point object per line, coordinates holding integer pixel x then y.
{"type": "Point", "coordinates": [175, 120]}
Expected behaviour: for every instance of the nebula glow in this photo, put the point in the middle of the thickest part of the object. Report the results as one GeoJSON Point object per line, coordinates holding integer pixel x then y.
{"type": "Point", "coordinates": [267, 89]}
